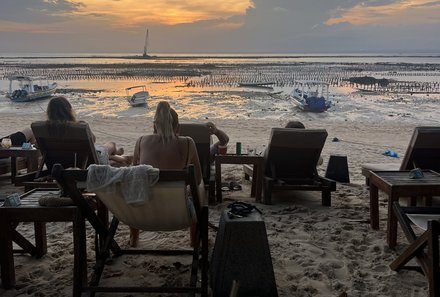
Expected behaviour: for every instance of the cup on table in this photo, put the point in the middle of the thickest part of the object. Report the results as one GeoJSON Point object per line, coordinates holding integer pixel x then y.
{"type": "Point", "coordinates": [6, 142]}
{"type": "Point", "coordinates": [222, 149]}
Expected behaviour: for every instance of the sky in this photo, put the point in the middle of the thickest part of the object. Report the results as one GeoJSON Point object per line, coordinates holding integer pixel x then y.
{"type": "Point", "coordinates": [220, 26]}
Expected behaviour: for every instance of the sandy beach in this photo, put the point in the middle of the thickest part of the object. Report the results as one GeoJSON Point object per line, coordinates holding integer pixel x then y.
{"type": "Point", "coordinates": [316, 250]}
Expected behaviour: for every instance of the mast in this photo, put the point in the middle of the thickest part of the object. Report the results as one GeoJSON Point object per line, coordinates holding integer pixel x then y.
{"type": "Point", "coordinates": [146, 45]}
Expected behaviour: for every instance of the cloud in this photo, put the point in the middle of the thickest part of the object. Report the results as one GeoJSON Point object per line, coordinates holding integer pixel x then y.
{"type": "Point", "coordinates": [7, 26]}
{"type": "Point", "coordinates": [135, 13]}
{"type": "Point", "coordinates": [397, 13]}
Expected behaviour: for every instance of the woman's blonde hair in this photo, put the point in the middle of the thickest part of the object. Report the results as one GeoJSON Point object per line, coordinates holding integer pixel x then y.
{"type": "Point", "coordinates": [163, 121]}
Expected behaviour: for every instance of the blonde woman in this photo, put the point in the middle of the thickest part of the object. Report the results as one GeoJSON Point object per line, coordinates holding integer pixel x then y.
{"type": "Point", "coordinates": [164, 149]}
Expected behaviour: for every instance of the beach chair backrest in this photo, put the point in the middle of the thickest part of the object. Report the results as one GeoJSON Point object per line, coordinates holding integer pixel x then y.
{"type": "Point", "coordinates": [166, 207]}
{"type": "Point", "coordinates": [70, 145]}
{"type": "Point", "coordinates": [294, 153]}
{"type": "Point", "coordinates": [423, 150]}
{"type": "Point", "coordinates": [165, 210]}
{"type": "Point", "coordinates": [202, 138]}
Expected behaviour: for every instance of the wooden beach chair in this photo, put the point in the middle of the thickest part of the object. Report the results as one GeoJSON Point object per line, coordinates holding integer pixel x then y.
{"type": "Point", "coordinates": [72, 146]}
{"type": "Point", "coordinates": [425, 247]}
{"type": "Point", "coordinates": [202, 138]}
{"type": "Point", "coordinates": [290, 163]}
{"type": "Point", "coordinates": [165, 209]}
{"type": "Point", "coordinates": [423, 152]}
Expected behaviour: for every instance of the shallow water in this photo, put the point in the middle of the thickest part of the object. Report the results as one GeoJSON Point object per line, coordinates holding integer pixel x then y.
{"type": "Point", "coordinates": [205, 88]}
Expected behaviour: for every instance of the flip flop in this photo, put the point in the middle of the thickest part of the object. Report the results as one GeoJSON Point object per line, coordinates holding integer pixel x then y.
{"type": "Point", "coordinates": [226, 187]}
{"type": "Point", "coordinates": [234, 186]}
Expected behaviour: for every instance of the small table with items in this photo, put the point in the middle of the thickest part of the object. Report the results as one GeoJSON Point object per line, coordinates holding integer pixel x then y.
{"type": "Point", "coordinates": [257, 177]}
{"type": "Point", "coordinates": [14, 152]}
{"type": "Point", "coordinates": [398, 184]}
{"type": "Point", "coordinates": [30, 211]}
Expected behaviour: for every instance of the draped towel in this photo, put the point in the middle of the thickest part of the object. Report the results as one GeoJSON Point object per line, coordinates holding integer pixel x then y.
{"type": "Point", "coordinates": [133, 182]}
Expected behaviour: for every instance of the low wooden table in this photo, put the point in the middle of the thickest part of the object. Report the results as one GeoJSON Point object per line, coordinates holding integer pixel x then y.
{"type": "Point", "coordinates": [257, 178]}
{"type": "Point", "coordinates": [397, 184]}
{"type": "Point", "coordinates": [16, 151]}
{"type": "Point", "coordinates": [31, 211]}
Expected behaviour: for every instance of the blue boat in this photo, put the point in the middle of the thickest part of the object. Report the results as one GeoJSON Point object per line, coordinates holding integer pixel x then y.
{"type": "Point", "coordinates": [311, 96]}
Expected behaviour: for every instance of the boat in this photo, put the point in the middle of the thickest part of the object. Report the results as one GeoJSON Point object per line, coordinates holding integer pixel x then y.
{"type": "Point", "coordinates": [311, 95]}
{"type": "Point", "coordinates": [137, 95]}
{"type": "Point", "coordinates": [26, 88]}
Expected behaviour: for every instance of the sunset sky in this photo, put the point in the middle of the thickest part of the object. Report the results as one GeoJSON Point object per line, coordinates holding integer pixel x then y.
{"type": "Point", "coordinates": [220, 26]}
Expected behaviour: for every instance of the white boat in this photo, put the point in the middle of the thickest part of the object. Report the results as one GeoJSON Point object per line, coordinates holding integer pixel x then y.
{"type": "Point", "coordinates": [137, 95]}
{"type": "Point", "coordinates": [311, 95]}
{"type": "Point", "coordinates": [26, 88]}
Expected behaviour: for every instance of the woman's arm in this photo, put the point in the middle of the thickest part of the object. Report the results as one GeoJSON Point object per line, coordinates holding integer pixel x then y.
{"type": "Point", "coordinates": [194, 159]}
{"type": "Point", "coordinates": [136, 153]}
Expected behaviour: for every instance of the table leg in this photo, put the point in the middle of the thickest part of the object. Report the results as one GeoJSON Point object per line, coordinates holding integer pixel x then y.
{"type": "Point", "coordinates": [218, 181]}
{"type": "Point", "coordinates": [79, 254]}
{"type": "Point", "coordinates": [40, 239]}
{"type": "Point", "coordinates": [374, 206]}
{"type": "Point", "coordinates": [6, 255]}
{"type": "Point", "coordinates": [392, 222]}
{"type": "Point", "coordinates": [258, 177]}
{"type": "Point", "coordinates": [13, 169]}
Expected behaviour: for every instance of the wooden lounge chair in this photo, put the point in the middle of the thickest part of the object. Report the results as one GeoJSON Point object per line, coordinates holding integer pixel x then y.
{"type": "Point", "coordinates": [166, 209]}
{"type": "Point", "coordinates": [423, 152]}
{"type": "Point", "coordinates": [201, 136]}
{"type": "Point", "coordinates": [290, 163]}
{"type": "Point", "coordinates": [71, 146]}
{"type": "Point", "coordinates": [424, 248]}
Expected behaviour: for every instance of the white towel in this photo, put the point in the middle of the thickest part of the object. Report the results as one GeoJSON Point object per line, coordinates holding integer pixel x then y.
{"type": "Point", "coordinates": [133, 182]}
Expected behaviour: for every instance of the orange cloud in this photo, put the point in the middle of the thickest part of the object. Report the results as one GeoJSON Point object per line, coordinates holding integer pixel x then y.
{"type": "Point", "coordinates": [405, 12]}
{"type": "Point", "coordinates": [134, 13]}
{"type": "Point", "coordinates": [6, 26]}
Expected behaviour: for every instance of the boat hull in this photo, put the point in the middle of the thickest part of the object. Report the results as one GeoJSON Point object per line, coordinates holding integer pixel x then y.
{"type": "Point", "coordinates": [31, 96]}
{"type": "Point", "coordinates": [138, 99]}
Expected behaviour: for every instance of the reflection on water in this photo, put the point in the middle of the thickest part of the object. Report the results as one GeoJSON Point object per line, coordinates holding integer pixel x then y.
{"type": "Point", "coordinates": [208, 87]}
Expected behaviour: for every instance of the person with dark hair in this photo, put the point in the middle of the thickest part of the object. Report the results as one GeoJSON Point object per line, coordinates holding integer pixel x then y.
{"type": "Point", "coordinates": [295, 124]}
{"type": "Point", "coordinates": [59, 111]}
{"type": "Point", "coordinates": [223, 139]}
{"type": "Point", "coordinates": [20, 137]}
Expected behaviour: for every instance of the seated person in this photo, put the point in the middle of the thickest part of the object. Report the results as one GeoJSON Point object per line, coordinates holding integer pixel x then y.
{"type": "Point", "coordinates": [20, 137]}
{"type": "Point", "coordinates": [59, 110]}
{"type": "Point", "coordinates": [164, 149]}
{"type": "Point", "coordinates": [223, 138]}
{"type": "Point", "coordinates": [299, 125]}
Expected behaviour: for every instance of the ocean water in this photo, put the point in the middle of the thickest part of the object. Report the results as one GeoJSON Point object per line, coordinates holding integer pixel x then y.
{"type": "Point", "coordinates": [206, 86]}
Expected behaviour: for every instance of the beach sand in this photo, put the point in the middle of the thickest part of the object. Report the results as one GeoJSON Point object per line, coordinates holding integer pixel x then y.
{"type": "Point", "coordinates": [316, 250]}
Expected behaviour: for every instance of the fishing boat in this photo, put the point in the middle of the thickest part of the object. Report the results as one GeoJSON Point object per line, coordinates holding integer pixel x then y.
{"type": "Point", "coordinates": [311, 96]}
{"type": "Point", "coordinates": [26, 88]}
{"type": "Point", "coordinates": [137, 95]}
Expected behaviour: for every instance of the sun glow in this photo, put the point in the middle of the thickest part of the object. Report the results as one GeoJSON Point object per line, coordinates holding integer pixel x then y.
{"type": "Point", "coordinates": [133, 13]}
{"type": "Point", "coordinates": [406, 12]}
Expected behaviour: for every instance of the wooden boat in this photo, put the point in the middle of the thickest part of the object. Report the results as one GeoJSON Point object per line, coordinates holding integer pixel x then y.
{"type": "Point", "coordinates": [137, 95]}
{"type": "Point", "coordinates": [311, 96]}
{"type": "Point", "coordinates": [26, 88]}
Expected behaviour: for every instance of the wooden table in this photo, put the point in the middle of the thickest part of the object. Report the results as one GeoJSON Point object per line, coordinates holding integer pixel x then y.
{"type": "Point", "coordinates": [257, 178]}
{"type": "Point", "coordinates": [16, 151]}
{"type": "Point", "coordinates": [30, 211]}
{"type": "Point", "coordinates": [397, 184]}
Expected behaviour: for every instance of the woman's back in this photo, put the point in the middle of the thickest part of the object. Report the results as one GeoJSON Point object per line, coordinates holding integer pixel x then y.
{"type": "Point", "coordinates": [174, 154]}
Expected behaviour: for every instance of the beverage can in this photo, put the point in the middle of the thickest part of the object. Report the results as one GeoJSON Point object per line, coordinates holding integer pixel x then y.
{"type": "Point", "coordinates": [238, 148]}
